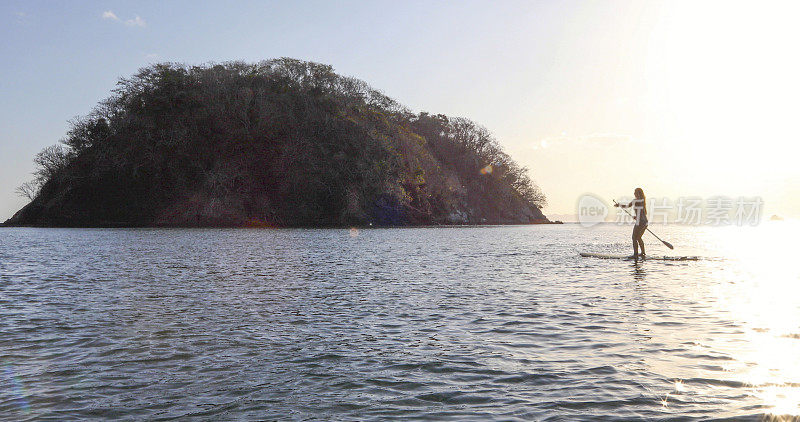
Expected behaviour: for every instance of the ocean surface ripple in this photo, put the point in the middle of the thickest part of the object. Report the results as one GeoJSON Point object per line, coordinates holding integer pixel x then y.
{"type": "Point", "coordinates": [482, 323]}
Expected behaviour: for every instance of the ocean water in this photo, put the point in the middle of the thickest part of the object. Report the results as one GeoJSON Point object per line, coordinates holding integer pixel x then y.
{"type": "Point", "coordinates": [480, 323]}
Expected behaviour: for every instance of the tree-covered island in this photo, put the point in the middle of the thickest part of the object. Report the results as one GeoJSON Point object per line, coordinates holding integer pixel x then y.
{"type": "Point", "coordinates": [279, 143]}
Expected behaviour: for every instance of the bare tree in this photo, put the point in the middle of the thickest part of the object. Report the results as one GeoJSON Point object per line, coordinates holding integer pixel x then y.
{"type": "Point", "coordinates": [50, 161]}
{"type": "Point", "coordinates": [28, 190]}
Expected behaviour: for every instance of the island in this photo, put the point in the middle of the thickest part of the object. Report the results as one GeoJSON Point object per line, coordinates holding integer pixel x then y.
{"type": "Point", "coordinates": [278, 143]}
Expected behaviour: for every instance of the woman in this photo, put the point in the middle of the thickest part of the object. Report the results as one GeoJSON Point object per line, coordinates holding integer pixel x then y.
{"type": "Point", "coordinates": [640, 215]}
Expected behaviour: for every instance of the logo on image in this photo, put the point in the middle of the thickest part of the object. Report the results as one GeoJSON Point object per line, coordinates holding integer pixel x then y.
{"type": "Point", "coordinates": [591, 210]}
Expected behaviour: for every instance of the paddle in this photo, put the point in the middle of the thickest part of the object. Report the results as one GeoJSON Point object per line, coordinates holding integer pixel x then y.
{"type": "Point", "coordinates": [667, 244]}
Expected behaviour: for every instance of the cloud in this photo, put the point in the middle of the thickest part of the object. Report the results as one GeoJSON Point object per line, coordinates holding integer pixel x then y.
{"type": "Point", "coordinates": [22, 18]}
{"type": "Point", "coordinates": [137, 21]}
{"type": "Point", "coordinates": [152, 56]}
{"type": "Point", "coordinates": [110, 15]}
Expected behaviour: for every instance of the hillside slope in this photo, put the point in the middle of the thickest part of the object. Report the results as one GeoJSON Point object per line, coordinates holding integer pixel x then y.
{"type": "Point", "coordinates": [277, 143]}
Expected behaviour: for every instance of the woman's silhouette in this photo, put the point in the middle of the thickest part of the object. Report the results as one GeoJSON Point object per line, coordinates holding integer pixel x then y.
{"type": "Point", "coordinates": [640, 215]}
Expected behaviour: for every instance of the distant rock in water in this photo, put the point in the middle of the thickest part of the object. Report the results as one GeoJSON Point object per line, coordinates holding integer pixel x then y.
{"type": "Point", "coordinates": [277, 143]}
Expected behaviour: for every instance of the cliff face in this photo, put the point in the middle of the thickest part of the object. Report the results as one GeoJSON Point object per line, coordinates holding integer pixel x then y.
{"type": "Point", "coordinates": [278, 143]}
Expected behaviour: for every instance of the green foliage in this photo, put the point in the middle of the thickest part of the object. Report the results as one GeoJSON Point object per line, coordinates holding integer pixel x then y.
{"type": "Point", "coordinates": [284, 142]}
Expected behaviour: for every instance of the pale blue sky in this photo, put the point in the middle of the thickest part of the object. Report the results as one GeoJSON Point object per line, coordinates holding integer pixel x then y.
{"type": "Point", "coordinates": [546, 77]}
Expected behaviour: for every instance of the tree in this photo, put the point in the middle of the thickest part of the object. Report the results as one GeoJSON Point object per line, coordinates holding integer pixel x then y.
{"type": "Point", "coordinates": [50, 162]}
{"type": "Point", "coordinates": [28, 190]}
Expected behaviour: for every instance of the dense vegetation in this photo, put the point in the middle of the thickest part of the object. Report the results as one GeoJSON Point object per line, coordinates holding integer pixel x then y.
{"type": "Point", "coordinates": [282, 142]}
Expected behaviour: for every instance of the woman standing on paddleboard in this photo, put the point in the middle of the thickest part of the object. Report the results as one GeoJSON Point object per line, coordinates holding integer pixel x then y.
{"type": "Point", "coordinates": [640, 215]}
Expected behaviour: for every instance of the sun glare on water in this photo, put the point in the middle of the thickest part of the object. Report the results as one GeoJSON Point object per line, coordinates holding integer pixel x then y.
{"type": "Point", "coordinates": [760, 289]}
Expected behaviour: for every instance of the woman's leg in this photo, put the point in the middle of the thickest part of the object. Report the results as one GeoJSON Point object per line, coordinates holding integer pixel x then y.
{"type": "Point", "coordinates": [639, 238]}
{"type": "Point", "coordinates": [635, 239]}
{"type": "Point", "coordinates": [641, 243]}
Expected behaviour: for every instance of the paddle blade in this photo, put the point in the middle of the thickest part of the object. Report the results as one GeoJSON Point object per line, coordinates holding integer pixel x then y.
{"type": "Point", "coordinates": [669, 245]}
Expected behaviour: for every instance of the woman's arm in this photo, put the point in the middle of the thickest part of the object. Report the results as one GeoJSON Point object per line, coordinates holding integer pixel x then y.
{"type": "Point", "coordinates": [630, 204]}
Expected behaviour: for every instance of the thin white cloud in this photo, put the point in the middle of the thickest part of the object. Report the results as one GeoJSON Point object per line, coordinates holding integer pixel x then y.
{"type": "Point", "coordinates": [22, 18]}
{"type": "Point", "coordinates": [137, 21]}
{"type": "Point", "coordinates": [110, 15]}
{"type": "Point", "coordinates": [152, 56]}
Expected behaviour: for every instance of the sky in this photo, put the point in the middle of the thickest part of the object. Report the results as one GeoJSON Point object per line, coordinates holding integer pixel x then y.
{"type": "Point", "coordinates": [680, 98]}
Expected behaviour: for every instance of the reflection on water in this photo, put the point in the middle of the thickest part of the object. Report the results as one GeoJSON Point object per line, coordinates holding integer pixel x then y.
{"type": "Point", "coordinates": [455, 323]}
{"type": "Point", "coordinates": [763, 287]}
{"type": "Point", "coordinates": [638, 270]}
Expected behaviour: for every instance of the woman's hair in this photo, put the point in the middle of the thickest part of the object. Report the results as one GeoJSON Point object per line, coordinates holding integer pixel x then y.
{"type": "Point", "coordinates": [639, 194]}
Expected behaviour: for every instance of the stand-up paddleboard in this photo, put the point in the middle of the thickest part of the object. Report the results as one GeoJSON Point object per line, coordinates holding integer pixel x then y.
{"type": "Point", "coordinates": [646, 258]}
